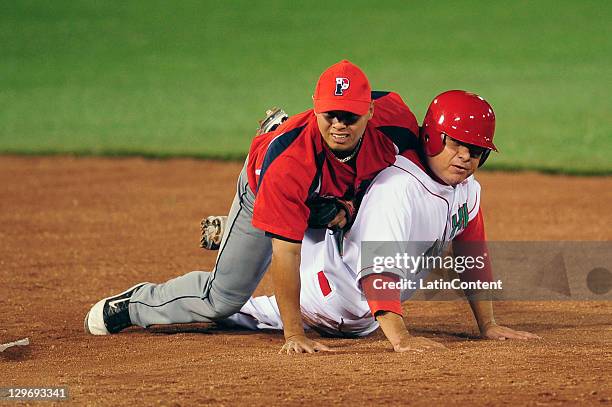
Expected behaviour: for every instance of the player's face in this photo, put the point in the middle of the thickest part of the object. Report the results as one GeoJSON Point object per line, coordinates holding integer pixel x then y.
{"type": "Point", "coordinates": [342, 130]}
{"type": "Point", "coordinates": [456, 162]}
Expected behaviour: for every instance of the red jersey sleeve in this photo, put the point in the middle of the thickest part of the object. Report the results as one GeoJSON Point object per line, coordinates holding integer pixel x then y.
{"type": "Point", "coordinates": [472, 242]}
{"type": "Point", "coordinates": [395, 120]}
{"type": "Point", "coordinates": [280, 204]}
{"type": "Point", "coordinates": [380, 297]}
{"type": "Point", "coordinates": [391, 110]}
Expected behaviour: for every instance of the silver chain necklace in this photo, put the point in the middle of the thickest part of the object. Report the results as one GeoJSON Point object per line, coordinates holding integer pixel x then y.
{"type": "Point", "coordinates": [350, 156]}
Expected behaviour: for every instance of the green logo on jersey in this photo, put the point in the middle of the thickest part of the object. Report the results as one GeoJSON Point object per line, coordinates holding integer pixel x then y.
{"type": "Point", "coordinates": [460, 219]}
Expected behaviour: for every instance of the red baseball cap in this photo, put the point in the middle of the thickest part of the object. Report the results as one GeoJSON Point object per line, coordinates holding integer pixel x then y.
{"type": "Point", "coordinates": [343, 86]}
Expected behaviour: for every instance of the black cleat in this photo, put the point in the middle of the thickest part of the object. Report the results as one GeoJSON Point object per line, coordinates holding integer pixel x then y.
{"type": "Point", "coordinates": [110, 315]}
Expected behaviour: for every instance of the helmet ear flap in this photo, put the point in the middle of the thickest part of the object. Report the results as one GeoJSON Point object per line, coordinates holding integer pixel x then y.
{"type": "Point", "coordinates": [484, 157]}
{"type": "Point", "coordinates": [424, 138]}
{"type": "Point", "coordinates": [430, 143]}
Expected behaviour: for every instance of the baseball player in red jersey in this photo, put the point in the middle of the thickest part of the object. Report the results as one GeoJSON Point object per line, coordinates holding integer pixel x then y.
{"type": "Point", "coordinates": [431, 198]}
{"type": "Point", "coordinates": [334, 150]}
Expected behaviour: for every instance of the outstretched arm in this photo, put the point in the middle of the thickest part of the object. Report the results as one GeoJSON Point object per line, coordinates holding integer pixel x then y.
{"type": "Point", "coordinates": [384, 302]}
{"type": "Point", "coordinates": [396, 332]}
{"type": "Point", "coordinates": [285, 269]}
{"type": "Point", "coordinates": [483, 313]}
{"type": "Point", "coordinates": [472, 243]}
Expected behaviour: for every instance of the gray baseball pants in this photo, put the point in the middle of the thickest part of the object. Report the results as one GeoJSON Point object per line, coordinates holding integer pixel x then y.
{"type": "Point", "coordinates": [203, 296]}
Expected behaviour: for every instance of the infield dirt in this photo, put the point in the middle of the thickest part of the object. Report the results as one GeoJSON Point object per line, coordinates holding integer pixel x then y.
{"type": "Point", "coordinates": [74, 230]}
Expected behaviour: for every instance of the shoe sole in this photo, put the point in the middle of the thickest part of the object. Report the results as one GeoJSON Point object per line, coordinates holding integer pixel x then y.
{"type": "Point", "coordinates": [274, 118]}
{"type": "Point", "coordinates": [213, 242]}
{"type": "Point", "coordinates": [101, 303]}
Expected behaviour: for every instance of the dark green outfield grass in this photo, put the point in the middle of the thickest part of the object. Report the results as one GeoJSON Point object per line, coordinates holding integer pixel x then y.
{"type": "Point", "coordinates": [162, 78]}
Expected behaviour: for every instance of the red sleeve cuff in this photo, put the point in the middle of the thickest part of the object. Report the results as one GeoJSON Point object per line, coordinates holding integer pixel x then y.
{"type": "Point", "coordinates": [472, 243]}
{"type": "Point", "coordinates": [385, 306]}
{"type": "Point", "coordinates": [275, 230]}
{"type": "Point", "coordinates": [381, 294]}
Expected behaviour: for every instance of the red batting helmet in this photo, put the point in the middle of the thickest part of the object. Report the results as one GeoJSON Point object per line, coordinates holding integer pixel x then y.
{"type": "Point", "coordinates": [461, 115]}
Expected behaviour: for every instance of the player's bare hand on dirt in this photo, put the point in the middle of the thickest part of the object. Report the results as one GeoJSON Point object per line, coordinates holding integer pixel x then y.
{"type": "Point", "coordinates": [301, 344]}
{"type": "Point", "coordinates": [340, 220]}
{"type": "Point", "coordinates": [499, 332]}
{"type": "Point", "coordinates": [409, 343]}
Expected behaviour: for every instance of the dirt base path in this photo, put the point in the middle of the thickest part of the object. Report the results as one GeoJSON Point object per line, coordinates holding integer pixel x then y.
{"type": "Point", "coordinates": [75, 230]}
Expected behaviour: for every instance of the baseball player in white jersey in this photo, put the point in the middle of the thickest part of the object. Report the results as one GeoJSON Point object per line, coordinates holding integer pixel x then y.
{"type": "Point", "coordinates": [429, 196]}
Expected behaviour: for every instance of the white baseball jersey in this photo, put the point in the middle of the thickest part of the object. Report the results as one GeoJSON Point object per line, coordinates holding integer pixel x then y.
{"type": "Point", "coordinates": [402, 204]}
